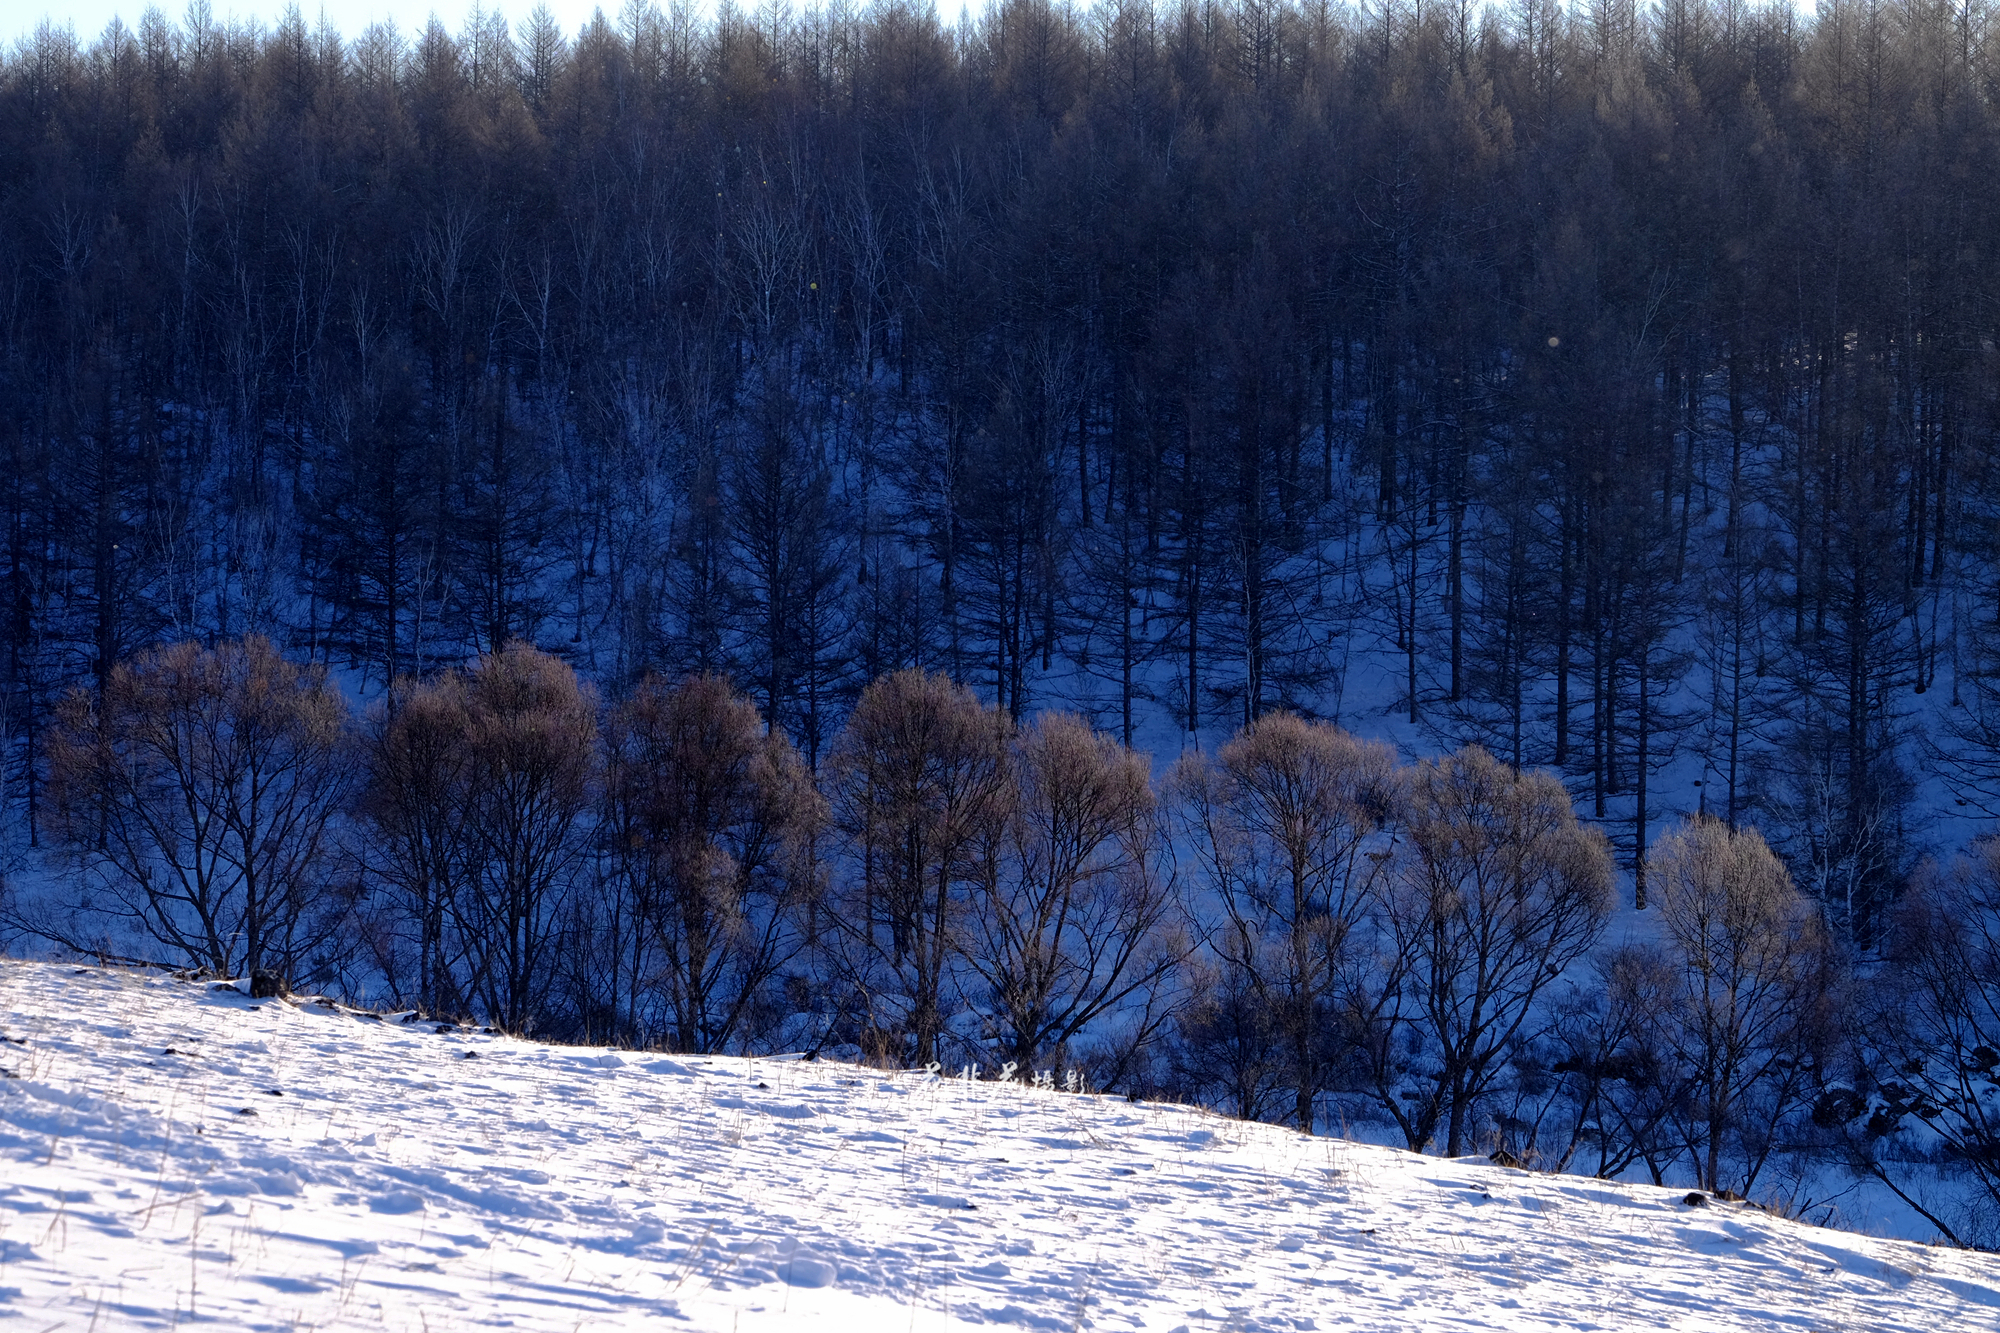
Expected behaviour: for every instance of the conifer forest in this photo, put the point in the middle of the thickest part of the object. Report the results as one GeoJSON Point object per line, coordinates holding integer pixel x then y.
{"type": "Point", "coordinates": [864, 528]}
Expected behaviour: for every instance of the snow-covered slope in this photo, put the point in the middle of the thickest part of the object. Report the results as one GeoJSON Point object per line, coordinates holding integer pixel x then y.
{"type": "Point", "coordinates": [175, 1153]}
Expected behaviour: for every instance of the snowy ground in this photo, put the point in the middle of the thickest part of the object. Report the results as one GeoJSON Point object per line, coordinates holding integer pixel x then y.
{"type": "Point", "coordinates": [178, 1154]}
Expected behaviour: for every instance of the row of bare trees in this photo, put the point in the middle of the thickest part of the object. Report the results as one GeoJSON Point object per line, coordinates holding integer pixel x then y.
{"type": "Point", "coordinates": [1294, 926]}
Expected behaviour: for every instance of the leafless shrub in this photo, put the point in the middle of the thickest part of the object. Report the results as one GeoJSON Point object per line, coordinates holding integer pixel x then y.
{"type": "Point", "coordinates": [1226, 1051]}
{"type": "Point", "coordinates": [1595, 1093]}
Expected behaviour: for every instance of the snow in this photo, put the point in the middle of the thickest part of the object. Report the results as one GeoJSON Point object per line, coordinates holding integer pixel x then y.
{"type": "Point", "coordinates": [175, 1153]}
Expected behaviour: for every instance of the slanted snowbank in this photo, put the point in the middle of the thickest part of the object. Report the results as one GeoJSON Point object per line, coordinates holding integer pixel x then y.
{"type": "Point", "coordinates": [177, 1154]}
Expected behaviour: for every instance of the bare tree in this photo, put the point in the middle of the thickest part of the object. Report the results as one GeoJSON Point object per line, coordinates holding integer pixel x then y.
{"type": "Point", "coordinates": [1226, 1051]}
{"type": "Point", "coordinates": [791, 546]}
{"type": "Point", "coordinates": [1280, 822]}
{"type": "Point", "coordinates": [531, 742]}
{"type": "Point", "coordinates": [1076, 921]}
{"type": "Point", "coordinates": [1932, 1038]}
{"type": "Point", "coordinates": [919, 783]}
{"type": "Point", "coordinates": [1495, 891]}
{"type": "Point", "coordinates": [419, 782]}
{"type": "Point", "coordinates": [712, 819]}
{"type": "Point", "coordinates": [200, 794]}
{"type": "Point", "coordinates": [1754, 965]}
{"type": "Point", "coordinates": [1604, 1080]}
